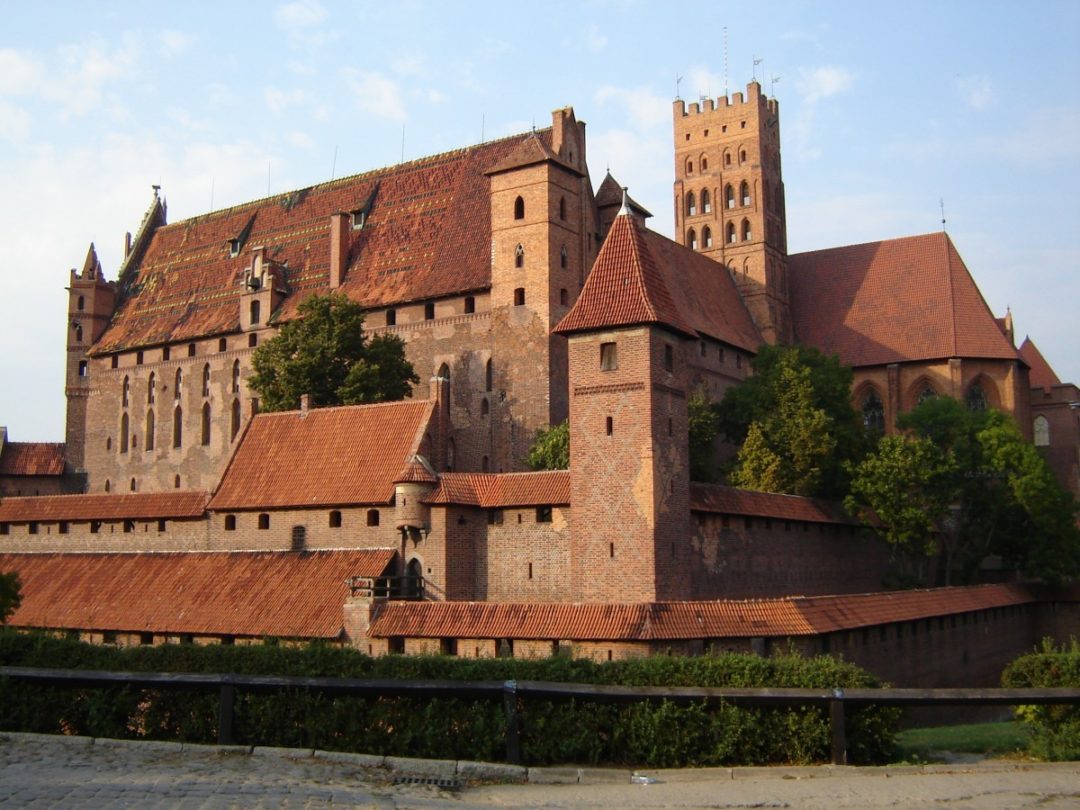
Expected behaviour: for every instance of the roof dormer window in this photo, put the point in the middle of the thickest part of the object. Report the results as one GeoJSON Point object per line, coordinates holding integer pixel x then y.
{"type": "Point", "coordinates": [234, 248]}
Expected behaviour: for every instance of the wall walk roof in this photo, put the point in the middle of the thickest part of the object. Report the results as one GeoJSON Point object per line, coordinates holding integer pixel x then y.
{"type": "Point", "coordinates": [641, 277]}
{"type": "Point", "coordinates": [31, 458]}
{"type": "Point", "coordinates": [1041, 374]}
{"type": "Point", "coordinates": [493, 490]}
{"type": "Point", "coordinates": [328, 457]}
{"type": "Point", "coordinates": [426, 234]}
{"type": "Point", "coordinates": [264, 593]}
{"type": "Point", "coordinates": [135, 506]}
{"type": "Point", "coordinates": [892, 301]}
{"type": "Point", "coordinates": [663, 621]}
{"type": "Point", "coordinates": [731, 501]}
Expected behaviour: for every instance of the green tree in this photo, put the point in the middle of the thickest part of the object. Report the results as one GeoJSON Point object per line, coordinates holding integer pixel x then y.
{"type": "Point", "coordinates": [10, 595]}
{"type": "Point", "coordinates": [985, 490]}
{"type": "Point", "coordinates": [551, 448]}
{"type": "Point", "coordinates": [704, 427]}
{"type": "Point", "coordinates": [325, 354]}
{"type": "Point", "coordinates": [799, 403]}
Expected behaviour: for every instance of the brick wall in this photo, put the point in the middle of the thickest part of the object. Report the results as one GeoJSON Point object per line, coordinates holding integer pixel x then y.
{"type": "Point", "coordinates": [119, 535]}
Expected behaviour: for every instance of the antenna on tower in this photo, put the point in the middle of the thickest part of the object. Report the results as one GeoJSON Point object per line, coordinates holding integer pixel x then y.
{"type": "Point", "coordinates": [772, 85]}
{"type": "Point", "coordinates": [333, 164]}
{"type": "Point", "coordinates": [725, 63]}
{"type": "Point", "coordinates": [211, 195]}
{"type": "Point", "coordinates": [402, 143]}
{"type": "Point", "coordinates": [678, 81]}
{"type": "Point", "coordinates": [941, 202]}
{"type": "Point", "coordinates": [757, 61]}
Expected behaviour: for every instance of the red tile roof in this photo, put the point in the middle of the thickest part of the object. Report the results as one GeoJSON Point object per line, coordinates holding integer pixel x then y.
{"type": "Point", "coordinates": [610, 194]}
{"type": "Point", "coordinates": [417, 471]}
{"type": "Point", "coordinates": [135, 506]}
{"type": "Point", "coordinates": [660, 621]}
{"type": "Point", "coordinates": [529, 152]}
{"type": "Point", "coordinates": [328, 457]}
{"type": "Point", "coordinates": [427, 235]}
{"type": "Point", "coordinates": [1041, 374]}
{"type": "Point", "coordinates": [493, 490]}
{"type": "Point", "coordinates": [642, 277]}
{"type": "Point", "coordinates": [272, 593]}
{"type": "Point", "coordinates": [892, 301]}
{"type": "Point", "coordinates": [732, 501]}
{"type": "Point", "coordinates": [31, 458]}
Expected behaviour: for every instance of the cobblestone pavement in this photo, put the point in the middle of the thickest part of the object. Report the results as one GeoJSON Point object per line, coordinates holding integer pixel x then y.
{"type": "Point", "coordinates": [39, 771]}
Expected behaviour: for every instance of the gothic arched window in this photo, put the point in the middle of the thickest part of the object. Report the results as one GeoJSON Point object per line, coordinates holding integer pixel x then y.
{"type": "Point", "coordinates": [519, 208]}
{"type": "Point", "coordinates": [691, 239]}
{"type": "Point", "coordinates": [706, 236]}
{"type": "Point", "coordinates": [706, 201]}
{"type": "Point", "coordinates": [744, 193]}
{"type": "Point", "coordinates": [976, 398]}
{"type": "Point", "coordinates": [729, 196]}
{"type": "Point", "coordinates": [873, 413]}
{"type": "Point", "coordinates": [1041, 429]}
{"type": "Point", "coordinates": [691, 204]}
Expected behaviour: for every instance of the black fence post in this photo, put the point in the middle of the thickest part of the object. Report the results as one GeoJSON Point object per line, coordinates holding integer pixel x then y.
{"type": "Point", "coordinates": [836, 726]}
{"type": "Point", "coordinates": [513, 722]}
{"type": "Point", "coordinates": [225, 713]}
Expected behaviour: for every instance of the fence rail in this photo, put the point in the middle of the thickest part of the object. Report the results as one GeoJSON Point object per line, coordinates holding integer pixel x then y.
{"type": "Point", "coordinates": [513, 693]}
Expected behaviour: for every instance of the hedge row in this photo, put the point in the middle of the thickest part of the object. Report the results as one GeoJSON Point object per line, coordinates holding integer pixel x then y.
{"type": "Point", "coordinates": [1055, 730]}
{"type": "Point", "coordinates": [657, 735]}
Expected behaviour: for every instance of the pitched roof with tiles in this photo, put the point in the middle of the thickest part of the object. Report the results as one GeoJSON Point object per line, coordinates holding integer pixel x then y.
{"type": "Point", "coordinates": [892, 301]}
{"type": "Point", "coordinates": [324, 457]}
{"type": "Point", "coordinates": [495, 490]}
{"type": "Point", "coordinates": [529, 152]}
{"type": "Point", "coordinates": [661, 621]}
{"type": "Point", "coordinates": [271, 593]}
{"type": "Point", "coordinates": [1041, 374]}
{"type": "Point", "coordinates": [417, 471]}
{"type": "Point", "coordinates": [641, 277]}
{"type": "Point", "coordinates": [610, 195]}
{"type": "Point", "coordinates": [32, 458]}
{"type": "Point", "coordinates": [128, 506]}
{"type": "Point", "coordinates": [731, 501]}
{"type": "Point", "coordinates": [426, 234]}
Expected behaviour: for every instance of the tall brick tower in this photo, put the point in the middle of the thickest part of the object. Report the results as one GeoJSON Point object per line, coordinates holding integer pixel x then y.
{"type": "Point", "coordinates": [542, 225]}
{"type": "Point", "coordinates": [729, 198]}
{"type": "Point", "coordinates": [629, 470]}
{"type": "Point", "coordinates": [91, 300]}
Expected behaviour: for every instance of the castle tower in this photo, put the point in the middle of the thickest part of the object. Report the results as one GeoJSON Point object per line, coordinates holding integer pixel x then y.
{"type": "Point", "coordinates": [542, 231]}
{"type": "Point", "coordinates": [91, 300]}
{"type": "Point", "coordinates": [729, 198]}
{"type": "Point", "coordinates": [629, 466]}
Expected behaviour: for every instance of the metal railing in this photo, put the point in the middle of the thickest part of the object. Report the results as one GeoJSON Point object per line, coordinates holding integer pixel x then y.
{"type": "Point", "coordinates": [513, 693]}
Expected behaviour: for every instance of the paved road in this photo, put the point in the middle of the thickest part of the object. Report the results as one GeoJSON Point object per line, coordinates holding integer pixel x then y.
{"type": "Point", "coordinates": [81, 773]}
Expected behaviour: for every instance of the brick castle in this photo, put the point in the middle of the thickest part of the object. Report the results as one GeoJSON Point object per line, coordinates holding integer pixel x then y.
{"type": "Point", "coordinates": [526, 298]}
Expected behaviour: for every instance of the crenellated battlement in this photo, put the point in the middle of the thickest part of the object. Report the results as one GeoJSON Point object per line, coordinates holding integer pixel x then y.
{"type": "Point", "coordinates": [753, 96]}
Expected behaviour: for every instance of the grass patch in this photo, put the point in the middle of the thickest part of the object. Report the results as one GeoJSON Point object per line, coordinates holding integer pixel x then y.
{"type": "Point", "coordinates": [989, 739]}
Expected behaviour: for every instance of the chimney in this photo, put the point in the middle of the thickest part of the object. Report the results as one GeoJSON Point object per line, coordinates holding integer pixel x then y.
{"type": "Point", "coordinates": [339, 247]}
{"type": "Point", "coordinates": [305, 405]}
{"type": "Point", "coordinates": [127, 244]}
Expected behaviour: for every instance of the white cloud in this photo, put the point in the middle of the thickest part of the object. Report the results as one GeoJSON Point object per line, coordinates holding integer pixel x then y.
{"type": "Point", "coordinates": [642, 105]}
{"type": "Point", "coordinates": [977, 91]}
{"type": "Point", "coordinates": [375, 94]}
{"type": "Point", "coordinates": [86, 70]}
{"type": "Point", "coordinates": [299, 14]}
{"type": "Point", "coordinates": [14, 123]}
{"type": "Point", "coordinates": [596, 40]}
{"type": "Point", "coordinates": [279, 100]}
{"type": "Point", "coordinates": [172, 42]}
{"type": "Point", "coordinates": [817, 84]}
{"type": "Point", "coordinates": [20, 73]}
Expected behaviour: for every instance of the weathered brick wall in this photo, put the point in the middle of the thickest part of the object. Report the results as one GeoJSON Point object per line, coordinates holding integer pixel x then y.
{"type": "Point", "coordinates": [17, 485]}
{"type": "Point", "coordinates": [140, 535]}
{"type": "Point", "coordinates": [737, 557]}
{"type": "Point", "coordinates": [522, 560]}
{"type": "Point", "coordinates": [354, 531]}
{"type": "Point", "coordinates": [1063, 425]}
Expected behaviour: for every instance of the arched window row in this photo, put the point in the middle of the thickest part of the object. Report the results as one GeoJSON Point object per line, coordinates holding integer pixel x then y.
{"type": "Point", "coordinates": [732, 199]}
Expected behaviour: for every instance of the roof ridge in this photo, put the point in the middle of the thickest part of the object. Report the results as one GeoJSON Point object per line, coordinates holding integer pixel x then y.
{"type": "Point", "coordinates": [950, 296]}
{"type": "Point", "coordinates": [928, 235]}
{"type": "Point", "coordinates": [368, 173]}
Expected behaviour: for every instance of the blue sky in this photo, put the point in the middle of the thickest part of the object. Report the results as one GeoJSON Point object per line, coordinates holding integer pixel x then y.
{"type": "Point", "coordinates": [885, 110]}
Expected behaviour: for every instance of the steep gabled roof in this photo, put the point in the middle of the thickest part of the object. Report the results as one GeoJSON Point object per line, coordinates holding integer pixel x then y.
{"type": "Point", "coordinates": [669, 621]}
{"type": "Point", "coordinates": [494, 490]}
{"type": "Point", "coordinates": [248, 593]}
{"type": "Point", "coordinates": [324, 457]}
{"type": "Point", "coordinates": [892, 301]}
{"type": "Point", "coordinates": [731, 501]}
{"type": "Point", "coordinates": [531, 151]}
{"type": "Point", "coordinates": [1041, 375]}
{"type": "Point", "coordinates": [128, 506]}
{"type": "Point", "coordinates": [641, 277]}
{"type": "Point", "coordinates": [427, 234]}
{"type": "Point", "coordinates": [610, 195]}
{"type": "Point", "coordinates": [32, 458]}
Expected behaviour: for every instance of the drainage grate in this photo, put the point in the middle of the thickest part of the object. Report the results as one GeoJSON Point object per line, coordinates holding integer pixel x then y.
{"type": "Point", "coordinates": [434, 781]}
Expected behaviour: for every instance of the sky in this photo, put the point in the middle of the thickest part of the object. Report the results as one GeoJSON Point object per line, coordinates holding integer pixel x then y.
{"type": "Point", "coordinates": [887, 113]}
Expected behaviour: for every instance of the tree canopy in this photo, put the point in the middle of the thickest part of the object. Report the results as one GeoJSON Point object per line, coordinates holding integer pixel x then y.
{"type": "Point", "coordinates": [982, 490]}
{"type": "Point", "coordinates": [10, 595]}
{"type": "Point", "coordinates": [794, 422]}
{"type": "Point", "coordinates": [551, 448]}
{"type": "Point", "coordinates": [703, 422]}
{"type": "Point", "coordinates": [324, 353]}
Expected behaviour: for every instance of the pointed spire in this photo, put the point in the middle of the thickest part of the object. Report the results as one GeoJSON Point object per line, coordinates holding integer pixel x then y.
{"type": "Point", "coordinates": [91, 266]}
{"type": "Point", "coordinates": [624, 211]}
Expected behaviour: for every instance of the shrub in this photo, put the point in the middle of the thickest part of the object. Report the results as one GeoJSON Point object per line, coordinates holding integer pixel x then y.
{"type": "Point", "coordinates": [1055, 730]}
{"type": "Point", "coordinates": [658, 734]}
